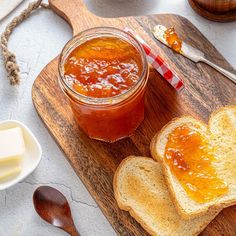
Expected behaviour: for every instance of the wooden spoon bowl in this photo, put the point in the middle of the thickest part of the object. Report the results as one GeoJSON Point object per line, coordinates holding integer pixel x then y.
{"type": "Point", "coordinates": [52, 206]}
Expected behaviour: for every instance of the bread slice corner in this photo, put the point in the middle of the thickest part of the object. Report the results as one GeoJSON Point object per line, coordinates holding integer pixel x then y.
{"type": "Point", "coordinates": [140, 189]}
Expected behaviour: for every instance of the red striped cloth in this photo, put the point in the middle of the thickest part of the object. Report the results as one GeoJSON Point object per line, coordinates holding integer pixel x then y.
{"type": "Point", "coordinates": [158, 63]}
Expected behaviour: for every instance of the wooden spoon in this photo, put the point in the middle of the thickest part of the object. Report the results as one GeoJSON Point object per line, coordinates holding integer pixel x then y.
{"type": "Point", "coordinates": [52, 206]}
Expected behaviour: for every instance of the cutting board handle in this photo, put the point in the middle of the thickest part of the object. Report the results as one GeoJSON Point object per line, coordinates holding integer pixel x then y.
{"type": "Point", "coordinates": [66, 9]}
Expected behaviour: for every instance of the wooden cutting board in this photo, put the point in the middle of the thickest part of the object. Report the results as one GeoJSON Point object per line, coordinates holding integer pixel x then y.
{"type": "Point", "coordinates": [95, 162]}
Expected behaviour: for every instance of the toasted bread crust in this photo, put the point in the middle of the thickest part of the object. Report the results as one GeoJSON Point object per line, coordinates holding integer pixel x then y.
{"type": "Point", "coordinates": [153, 150]}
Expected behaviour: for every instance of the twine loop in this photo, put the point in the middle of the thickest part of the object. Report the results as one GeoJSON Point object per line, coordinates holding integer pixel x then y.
{"type": "Point", "coordinates": [9, 58]}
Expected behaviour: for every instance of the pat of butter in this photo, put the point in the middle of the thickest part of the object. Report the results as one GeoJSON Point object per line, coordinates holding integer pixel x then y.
{"type": "Point", "coordinates": [12, 146]}
{"type": "Point", "coordinates": [7, 172]}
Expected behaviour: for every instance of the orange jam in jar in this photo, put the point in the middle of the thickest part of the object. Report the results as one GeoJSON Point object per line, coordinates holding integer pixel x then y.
{"type": "Point", "coordinates": [173, 39]}
{"type": "Point", "coordinates": [103, 72]}
{"type": "Point", "coordinates": [190, 158]}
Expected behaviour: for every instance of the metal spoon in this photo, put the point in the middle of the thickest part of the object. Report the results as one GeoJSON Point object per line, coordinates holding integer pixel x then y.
{"type": "Point", "coordinates": [52, 206]}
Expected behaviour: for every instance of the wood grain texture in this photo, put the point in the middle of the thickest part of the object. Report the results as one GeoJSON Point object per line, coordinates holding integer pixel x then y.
{"type": "Point", "coordinates": [95, 162]}
{"type": "Point", "coordinates": [221, 11]}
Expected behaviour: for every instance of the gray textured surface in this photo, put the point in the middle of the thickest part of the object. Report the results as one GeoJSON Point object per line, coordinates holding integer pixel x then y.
{"type": "Point", "coordinates": [7, 6]}
{"type": "Point", "coordinates": [36, 42]}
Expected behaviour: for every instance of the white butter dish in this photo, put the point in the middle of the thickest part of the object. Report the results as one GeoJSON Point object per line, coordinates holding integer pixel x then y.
{"type": "Point", "coordinates": [31, 156]}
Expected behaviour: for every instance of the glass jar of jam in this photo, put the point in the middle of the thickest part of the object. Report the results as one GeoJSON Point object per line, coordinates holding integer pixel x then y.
{"type": "Point", "coordinates": [103, 71]}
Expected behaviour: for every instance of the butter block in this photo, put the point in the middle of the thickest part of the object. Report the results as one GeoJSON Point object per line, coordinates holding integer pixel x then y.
{"type": "Point", "coordinates": [7, 172]}
{"type": "Point", "coordinates": [12, 145]}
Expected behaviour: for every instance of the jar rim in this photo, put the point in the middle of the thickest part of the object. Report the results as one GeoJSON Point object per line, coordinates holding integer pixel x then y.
{"type": "Point", "coordinates": [92, 32]}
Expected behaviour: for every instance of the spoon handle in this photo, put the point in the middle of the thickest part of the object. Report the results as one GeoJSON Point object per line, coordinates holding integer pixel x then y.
{"type": "Point", "coordinates": [74, 232]}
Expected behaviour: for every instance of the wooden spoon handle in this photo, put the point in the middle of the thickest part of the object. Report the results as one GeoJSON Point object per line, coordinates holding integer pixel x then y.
{"type": "Point", "coordinates": [73, 231]}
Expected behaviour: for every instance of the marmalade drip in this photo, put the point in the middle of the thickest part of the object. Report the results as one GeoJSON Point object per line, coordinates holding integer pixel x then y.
{"type": "Point", "coordinates": [103, 67]}
{"type": "Point", "coordinates": [190, 158]}
{"type": "Point", "coordinates": [173, 40]}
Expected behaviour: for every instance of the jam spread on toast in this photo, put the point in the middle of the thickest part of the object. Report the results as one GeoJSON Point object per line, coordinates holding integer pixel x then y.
{"type": "Point", "coordinates": [190, 156]}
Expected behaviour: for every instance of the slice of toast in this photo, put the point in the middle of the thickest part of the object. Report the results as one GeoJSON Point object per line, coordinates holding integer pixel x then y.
{"type": "Point", "coordinates": [140, 188]}
{"type": "Point", "coordinates": [221, 133]}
